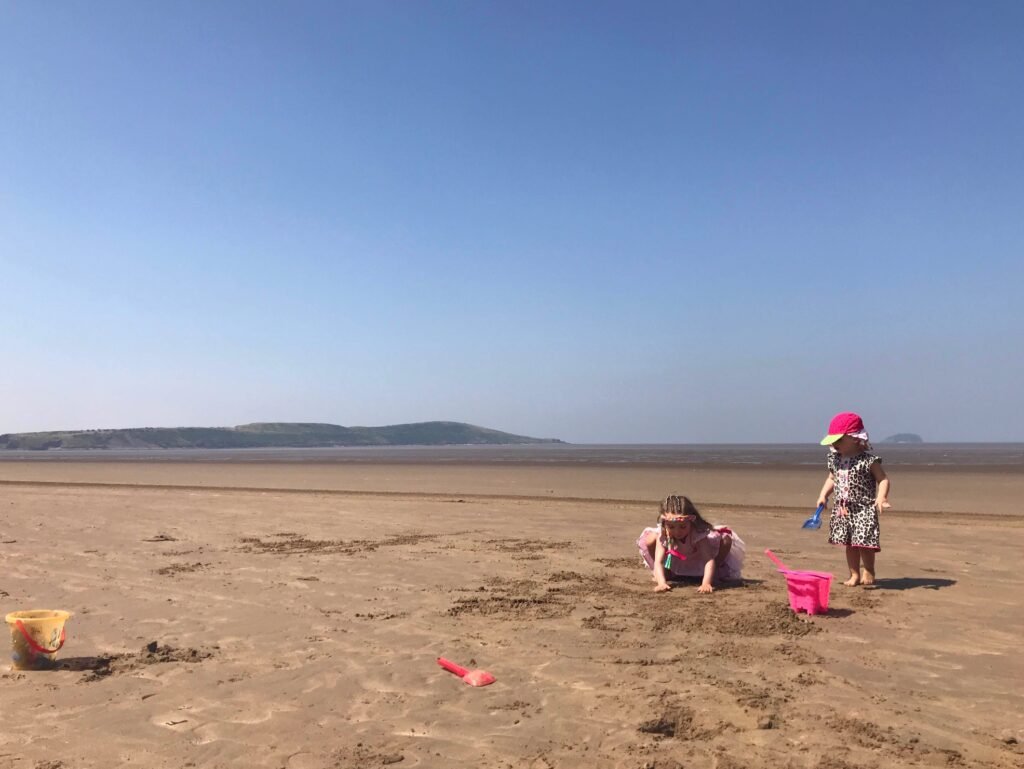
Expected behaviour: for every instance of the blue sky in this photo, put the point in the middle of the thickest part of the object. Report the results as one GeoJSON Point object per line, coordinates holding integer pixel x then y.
{"type": "Point", "coordinates": [603, 222]}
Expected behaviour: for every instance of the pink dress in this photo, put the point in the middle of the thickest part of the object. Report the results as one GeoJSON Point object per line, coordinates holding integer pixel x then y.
{"type": "Point", "coordinates": [692, 563]}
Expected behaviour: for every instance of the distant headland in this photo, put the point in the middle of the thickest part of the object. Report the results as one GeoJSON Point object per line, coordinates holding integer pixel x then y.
{"type": "Point", "coordinates": [904, 438]}
{"type": "Point", "coordinates": [268, 435]}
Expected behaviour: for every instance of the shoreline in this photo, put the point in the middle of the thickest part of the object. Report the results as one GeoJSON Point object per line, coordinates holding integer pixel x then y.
{"type": "Point", "coordinates": [953, 456]}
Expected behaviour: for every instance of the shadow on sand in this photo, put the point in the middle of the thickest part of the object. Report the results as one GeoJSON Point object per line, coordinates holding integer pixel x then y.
{"type": "Point", "coordinates": [731, 584]}
{"type": "Point", "coordinates": [834, 613]}
{"type": "Point", "coordinates": [909, 583]}
{"type": "Point", "coordinates": [80, 664]}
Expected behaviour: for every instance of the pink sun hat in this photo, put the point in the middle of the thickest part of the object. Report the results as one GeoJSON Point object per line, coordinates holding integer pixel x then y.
{"type": "Point", "coordinates": [845, 423]}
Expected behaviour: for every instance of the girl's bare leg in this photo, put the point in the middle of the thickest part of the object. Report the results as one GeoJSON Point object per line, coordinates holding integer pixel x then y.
{"type": "Point", "coordinates": [853, 561]}
{"type": "Point", "coordinates": [867, 559]}
{"type": "Point", "coordinates": [723, 549]}
{"type": "Point", "coordinates": [723, 552]}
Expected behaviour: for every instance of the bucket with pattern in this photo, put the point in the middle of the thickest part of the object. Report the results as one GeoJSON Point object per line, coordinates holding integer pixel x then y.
{"type": "Point", "coordinates": [36, 637]}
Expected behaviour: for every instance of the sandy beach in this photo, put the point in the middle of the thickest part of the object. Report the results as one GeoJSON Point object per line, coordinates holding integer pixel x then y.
{"type": "Point", "coordinates": [274, 616]}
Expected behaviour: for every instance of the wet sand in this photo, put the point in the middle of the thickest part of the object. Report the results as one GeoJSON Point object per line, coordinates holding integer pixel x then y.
{"type": "Point", "coordinates": [980, 491]}
{"type": "Point", "coordinates": [293, 615]}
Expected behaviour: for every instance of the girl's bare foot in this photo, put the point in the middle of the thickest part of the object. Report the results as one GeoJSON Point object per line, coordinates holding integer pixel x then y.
{"type": "Point", "coordinates": [867, 568]}
{"type": "Point", "coordinates": [853, 564]}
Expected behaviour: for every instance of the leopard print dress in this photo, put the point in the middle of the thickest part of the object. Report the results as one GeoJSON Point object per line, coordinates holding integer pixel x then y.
{"type": "Point", "coordinates": [854, 519]}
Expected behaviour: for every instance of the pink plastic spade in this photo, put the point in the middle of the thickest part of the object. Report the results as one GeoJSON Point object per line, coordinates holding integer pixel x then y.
{"type": "Point", "coordinates": [471, 677]}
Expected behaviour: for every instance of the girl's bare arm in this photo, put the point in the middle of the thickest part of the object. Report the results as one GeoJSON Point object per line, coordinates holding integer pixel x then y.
{"type": "Point", "coordinates": [882, 480]}
{"type": "Point", "coordinates": [826, 489]}
{"type": "Point", "coordinates": [659, 568]}
{"type": "Point", "coordinates": [709, 567]}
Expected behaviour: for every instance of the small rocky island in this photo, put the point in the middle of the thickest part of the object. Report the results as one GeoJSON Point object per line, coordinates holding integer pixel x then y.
{"type": "Point", "coordinates": [904, 438]}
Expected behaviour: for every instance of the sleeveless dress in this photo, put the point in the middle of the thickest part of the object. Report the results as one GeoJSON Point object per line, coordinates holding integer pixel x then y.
{"type": "Point", "coordinates": [693, 563]}
{"type": "Point", "coordinates": [854, 518]}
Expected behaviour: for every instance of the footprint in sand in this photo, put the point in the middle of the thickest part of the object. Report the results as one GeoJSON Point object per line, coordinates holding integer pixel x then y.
{"type": "Point", "coordinates": [306, 761]}
{"type": "Point", "coordinates": [174, 720]}
{"type": "Point", "coordinates": [235, 722]}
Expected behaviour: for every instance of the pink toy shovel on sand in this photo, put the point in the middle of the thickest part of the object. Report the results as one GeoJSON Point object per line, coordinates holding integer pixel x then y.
{"type": "Point", "coordinates": [471, 677]}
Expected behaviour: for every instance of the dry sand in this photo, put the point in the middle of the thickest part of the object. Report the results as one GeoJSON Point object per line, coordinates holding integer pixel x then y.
{"type": "Point", "coordinates": [299, 629]}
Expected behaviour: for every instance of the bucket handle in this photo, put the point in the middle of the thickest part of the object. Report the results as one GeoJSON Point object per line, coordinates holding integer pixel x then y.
{"type": "Point", "coordinates": [776, 560]}
{"type": "Point", "coordinates": [36, 647]}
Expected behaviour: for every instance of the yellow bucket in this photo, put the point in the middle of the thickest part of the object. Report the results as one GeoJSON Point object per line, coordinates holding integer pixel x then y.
{"type": "Point", "coordinates": [36, 637]}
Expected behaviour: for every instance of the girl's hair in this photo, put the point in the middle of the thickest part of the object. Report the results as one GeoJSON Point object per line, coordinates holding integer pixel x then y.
{"type": "Point", "coordinates": [680, 505]}
{"type": "Point", "coordinates": [862, 443]}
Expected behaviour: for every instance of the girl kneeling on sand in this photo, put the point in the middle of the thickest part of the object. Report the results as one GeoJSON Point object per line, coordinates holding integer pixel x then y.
{"type": "Point", "coordinates": [685, 545]}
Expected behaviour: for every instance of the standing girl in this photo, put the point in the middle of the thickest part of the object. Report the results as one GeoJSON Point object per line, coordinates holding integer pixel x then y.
{"type": "Point", "coordinates": [861, 493]}
{"type": "Point", "coordinates": [685, 545]}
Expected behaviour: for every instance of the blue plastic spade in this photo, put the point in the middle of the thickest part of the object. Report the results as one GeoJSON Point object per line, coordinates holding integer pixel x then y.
{"type": "Point", "coordinates": [814, 522]}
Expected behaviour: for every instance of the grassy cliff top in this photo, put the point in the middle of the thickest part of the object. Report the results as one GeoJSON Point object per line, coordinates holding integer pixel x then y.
{"type": "Point", "coordinates": [267, 435]}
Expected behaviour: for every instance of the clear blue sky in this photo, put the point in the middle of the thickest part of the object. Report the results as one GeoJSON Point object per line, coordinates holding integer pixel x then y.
{"type": "Point", "coordinates": [603, 222]}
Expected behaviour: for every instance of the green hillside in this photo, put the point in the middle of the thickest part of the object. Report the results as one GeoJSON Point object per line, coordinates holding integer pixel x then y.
{"type": "Point", "coordinates": [267, 435]}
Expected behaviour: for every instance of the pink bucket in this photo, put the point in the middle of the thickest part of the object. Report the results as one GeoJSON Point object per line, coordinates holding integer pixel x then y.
{"type": "Point", "coordinates": [808, 590]}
